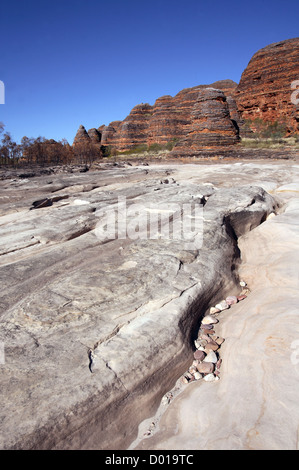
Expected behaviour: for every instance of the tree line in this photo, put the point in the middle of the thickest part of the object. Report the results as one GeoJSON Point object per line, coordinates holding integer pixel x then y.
{"type": "Point", "coordinates": [44, 152]}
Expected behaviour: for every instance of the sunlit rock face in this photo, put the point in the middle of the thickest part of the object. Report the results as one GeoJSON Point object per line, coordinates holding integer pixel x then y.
{"type": "Point", "coordinates": [95, 331]}
{"type": "Point", "coordinates": [265, 89]}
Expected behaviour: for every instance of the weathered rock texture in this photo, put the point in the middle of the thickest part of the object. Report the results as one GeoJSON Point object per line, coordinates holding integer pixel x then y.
{"type": "Point", "coordinates": [96, 331]}
{"type": "Point", "coordinates": [82, 136]}
{"type": "Point", "coordinates": [171, 119]}
{"type": "Point", "coordinates": [210, 124]}
{"type": "Point", "coordinates": [264, 90]}
{"type": "Point", "coordinates": [254, 405]}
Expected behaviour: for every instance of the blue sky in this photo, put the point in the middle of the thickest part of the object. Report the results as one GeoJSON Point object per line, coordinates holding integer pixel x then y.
{"type": "Point", "coordinates": [69, 62]}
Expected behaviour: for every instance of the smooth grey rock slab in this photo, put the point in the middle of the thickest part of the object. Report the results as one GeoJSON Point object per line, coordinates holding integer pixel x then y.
{"type": "Point", "coordinates": [95, 333]}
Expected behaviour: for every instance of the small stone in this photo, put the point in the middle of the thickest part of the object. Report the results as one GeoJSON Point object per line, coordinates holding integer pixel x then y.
{"type": "Point", "coordinates": [231, 300]}
{"type": "Point", "coordinates": [164, 400]}
{"type": "Point", "coordinates": [197, 375]}
{"type": "Point", "coordinates": [243, 284]}
{"type": "Point", "coordinates": [205, 338]}
{"type": "Point", "coordinates": [211, 357]}
{"type": "Point", "coordinates": [212, 345]}
{"type": "Point", "coordinates": [200, 343]}
{"type": "Point", "coordinates": [209, 378]}
{"type": "Point", "coordinates": [207, 332]}
{"type": "Point", "coordinates": [214, 310]}
{"type": "Point", "coordinates": [218, 363]}
{"type": "Point", "coordinates": [219, 340]}
{"type": "Point", "coordinates": [223, 305]}
{"type": "Point", "coordinates": [192, 370]}
{"type": "Point", "coordinates": [184, 380]}
{"type": "Point", "coordinates": [241, 297]}
{"type": "Point", "coordinates": [206, 327]}
{"type": "Point", "coordinates": [199, 355]}
{"type": "Point", "coordinates": [206, 367]}
{"type": "Point", "coordinates": [208, 320]}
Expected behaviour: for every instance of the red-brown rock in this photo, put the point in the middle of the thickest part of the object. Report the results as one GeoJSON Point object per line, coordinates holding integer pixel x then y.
{"type": "Point", "coordinates": [199, 355]}
{"type": "Point", "coordinates": [82, 136]}
{"type": "Point", "coordinates": [264, 91]}
{"type": "Point", "coordinates": [206, 367]}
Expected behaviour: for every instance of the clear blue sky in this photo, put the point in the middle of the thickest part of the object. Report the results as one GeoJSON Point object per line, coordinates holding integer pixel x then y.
{"type": "Point", "coordinates": [69, 62]}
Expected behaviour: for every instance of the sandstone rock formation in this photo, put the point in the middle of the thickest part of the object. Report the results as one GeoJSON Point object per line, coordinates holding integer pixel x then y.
{"type": "Point", "coordinates": [171, 119]}
{"type": "Point", "coordinates": [264, 91]}
{"type": "Point", "coordinates": [81, 136]}
{"type": "Point", "coordinates": [95, 332]}
{"type": "Point", "coordinates": [210, 124]}
{"type": "Point", "coordinates": [94, 135]}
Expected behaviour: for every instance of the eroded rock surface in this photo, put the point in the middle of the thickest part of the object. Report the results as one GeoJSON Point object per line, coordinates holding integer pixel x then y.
{"type": "Point", "coordinates": [95, 332]}
{"type": "Point", "coordinates": [254, 404]}
{"type": "Point", "coordinates": [265, 88]}
{"type": "Point", "coordinates": [199, 114]}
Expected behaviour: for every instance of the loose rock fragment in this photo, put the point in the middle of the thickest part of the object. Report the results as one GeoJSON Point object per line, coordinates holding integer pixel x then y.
{"type": "Point", "coordinates": [211, 357]}
{"type": "Point", "coordinates": [219, 340]}
{"type": "Point", "coordinates": [199, 355]}
{"type": "Point", "coordinates": [214, 310]}
{"type": "Point", "coordinates": [231, 300]}
{"type": "Point", "coordinates": [206, 367]}
{"type": "Point", "coordinates": [212, 345]}
{"type": "Point", "coordinates": [210, 378]}
{"type": "Point", "coordinates": [208, 320]}
{"type": "Point", "coordinates": [198, 375]}
{"type": "Point", "coordinates": [223, 305]}
{"type": "Point", "coordinates": [241, 297]}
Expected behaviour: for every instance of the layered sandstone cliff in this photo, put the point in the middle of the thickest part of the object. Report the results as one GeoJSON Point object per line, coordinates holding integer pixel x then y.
{"type": "Point", "coordinates": [264, 91]}
{"type": "Point", "coordinates": [197, 118]}
{"type": "Point", "coordinates": [173, 120]}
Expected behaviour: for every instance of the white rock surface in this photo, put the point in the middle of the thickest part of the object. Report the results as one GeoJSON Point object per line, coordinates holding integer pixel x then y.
{"type": "Point", "coordinates": [255, 402]}
{"type": "Point", "coordinates": [96, 333]}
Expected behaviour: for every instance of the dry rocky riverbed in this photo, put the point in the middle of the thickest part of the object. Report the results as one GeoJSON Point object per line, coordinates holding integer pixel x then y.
{"type": "Point", "coordinates": [97, 331]}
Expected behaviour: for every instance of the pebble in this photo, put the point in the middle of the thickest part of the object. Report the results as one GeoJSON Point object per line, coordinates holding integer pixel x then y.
{"type": "Point", "coordinates": [231, 300]}
{"type": "Point", "coordinates": [210, 378]}
{"type": "Point", "coordinates": [211, 357]}
{"type": "Point", "coordinates": [219, 340]}
{"type": "Point", "coordinates": [241, 297]}
{"type": "Point", "coordinates": [223, 305]}
{"type": "Point", "coordinates": [206, 367]}
{"type": "Point", "coordinates": [212, 345]}
{"type": "Point", "coordinates": [207, 332]}
{"type": "Point", "coordinates": [214, 310]}
{"type": "Point", "coordinates": [199, 355]}
{"type": "Point", "coordinates": [198, 375]}
{"type": "Point", "coordinates": [208, 320]}
{"type": "Point", "coordinates": [207, 362]}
